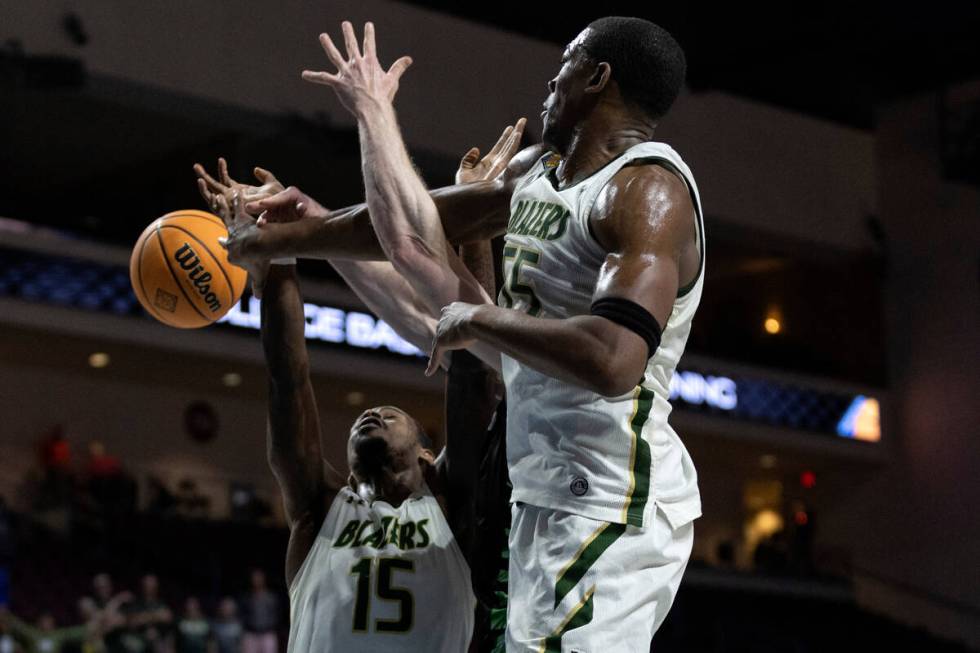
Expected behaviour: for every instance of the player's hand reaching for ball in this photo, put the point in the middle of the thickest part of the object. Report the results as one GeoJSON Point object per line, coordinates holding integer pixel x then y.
{"type": "Point", "coordinates": [289, 205]}
{"type": "Point", "coordinates": [209, 186]}
{"type": "Point", "coordinates": [451, 333]}
{"type": "Point", "coordinates": [473, 168]}
{"type": "Point", "coordinates": [360, 81]}
{"type": "Point", "coordinates": [240, 224]}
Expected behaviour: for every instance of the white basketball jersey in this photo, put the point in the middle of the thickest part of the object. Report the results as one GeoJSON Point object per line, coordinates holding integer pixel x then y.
{"type": "Point", "coordinates": [380, 578]}
{"type": "Point", "coordinates": [569, 449]}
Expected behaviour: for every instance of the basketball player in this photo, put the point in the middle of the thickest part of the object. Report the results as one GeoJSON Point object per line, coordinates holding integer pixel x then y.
{"type": "Point", "coordinates": [471, 389]}
{"type": "Point", "coordinates": [603, 272]}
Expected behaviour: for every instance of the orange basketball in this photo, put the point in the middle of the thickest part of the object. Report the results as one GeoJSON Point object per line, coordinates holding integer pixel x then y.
{"type": "Point", "coordinates": [180, 272]}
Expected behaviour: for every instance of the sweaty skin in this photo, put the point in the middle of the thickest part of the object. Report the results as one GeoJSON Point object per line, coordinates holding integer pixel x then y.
{"type": "Point", "coordinates": [644, 218]}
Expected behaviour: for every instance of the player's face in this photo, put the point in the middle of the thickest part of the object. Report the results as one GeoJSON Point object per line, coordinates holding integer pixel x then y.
{"type": "Point", "coordinates": [383, 440]}
{"type": "Point", "coordinates": [567, 103]}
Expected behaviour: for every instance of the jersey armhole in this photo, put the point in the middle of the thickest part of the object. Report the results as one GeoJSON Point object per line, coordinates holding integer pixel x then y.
{"type": "Point", "coordinates": [668, 165]}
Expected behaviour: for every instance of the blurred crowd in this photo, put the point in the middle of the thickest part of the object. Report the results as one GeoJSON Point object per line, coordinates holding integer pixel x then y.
{"type": "Point", "coordinates": [111, 621]}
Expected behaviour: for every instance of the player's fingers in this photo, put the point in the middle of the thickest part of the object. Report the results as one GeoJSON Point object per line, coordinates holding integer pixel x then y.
{"type": "Point", "coordinates": [220, 207]}
{"type": "Point", "coordinates": [280, 200]}
{"type": "Point", "coordinates": [212, 183]}
{"type": "Point", "coordinates": [501, 141]}
{"type": "Point", "coordinates": [202, 188]}
{"type": "Point", "coordinates": [470, 158]}
{"type": "Point", "coordinates": [350, 40]}
{"type": "Point", "coordinates": [435, 359]}
{"type": "Point", "coordinates": [264, 176]}
{"type": "Point", "coordinates": [514, 142]}
{"type": "Point", "coordinates": [320, 77]}
{"type": "Point", "coordinates": [370, 50]}
{"type": "Point", "coordinates": [208, 196]}
{"type": "Point", "coordinates": [399, 67]}
{"type": "Point", "coordinates": [333, 54]}
{"type": "Point", "coordinates": [223, 172]}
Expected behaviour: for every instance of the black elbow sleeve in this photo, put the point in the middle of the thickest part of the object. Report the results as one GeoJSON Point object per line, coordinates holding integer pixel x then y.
{"type": "Point", "coordinates": [631, 315]}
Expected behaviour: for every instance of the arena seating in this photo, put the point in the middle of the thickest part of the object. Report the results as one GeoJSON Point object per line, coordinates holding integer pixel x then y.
{"type": "Point", "coordinates": [211, 559]}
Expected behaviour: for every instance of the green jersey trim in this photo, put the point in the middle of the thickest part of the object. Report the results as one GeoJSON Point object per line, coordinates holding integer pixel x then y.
{"type": "Point", "coordinates": [698, 218]}
{"type": "Point", "coordinates": [639, 488]}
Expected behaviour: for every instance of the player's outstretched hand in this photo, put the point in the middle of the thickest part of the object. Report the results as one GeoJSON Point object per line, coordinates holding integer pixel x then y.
{"type": "Point", "coordinates": [451, 333]}
{"type": "Point", "coordinates": [288, 205]}
{"type": "Point", "coordinates": [360, 81]}
{"type": "Point", "coordinates": [241, 226]}
{"type": "Point", "coordinates": [209, 186]}
{"type": "Point", "coordinates": [473, 168]}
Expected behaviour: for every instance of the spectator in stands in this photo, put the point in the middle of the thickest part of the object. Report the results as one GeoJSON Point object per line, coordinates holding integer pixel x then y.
{"type": "Point", "coordinates": [109, 608]}
{"type": "Point", "coordinates": [7, 642]}
{"type": "Point", "coordinates": [53, 483]}
{"type": "Point", "coordinates": [111, 493]}
{"type": "Point", "coordinates": [191, 502]}
{"type": "Point", "coordinates": [150, 618]}
{"type": "Point", "coordinates": [227, 629]}
{"type": "Point", "coordinates": [90, 614]}
{"type": "Point", "coordinates": [193, 630]}
{"type": "Point", "coordinates": [45, 637]}
{"type": "Point", "coordinates": [261, 616]}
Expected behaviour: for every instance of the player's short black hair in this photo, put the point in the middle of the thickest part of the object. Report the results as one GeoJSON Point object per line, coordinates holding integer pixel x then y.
{"type": "Point", "coordinates": [646, 61]}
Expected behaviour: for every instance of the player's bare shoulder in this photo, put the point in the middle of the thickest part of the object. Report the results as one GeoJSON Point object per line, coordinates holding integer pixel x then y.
{"type": "Point", "coordinates": [644, 204]}
{"type": "Point", "coordinates": [522, 162]}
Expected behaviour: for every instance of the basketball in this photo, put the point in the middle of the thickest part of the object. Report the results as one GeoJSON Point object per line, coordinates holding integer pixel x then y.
{"type": "Point", "coordinates": [181, 274]}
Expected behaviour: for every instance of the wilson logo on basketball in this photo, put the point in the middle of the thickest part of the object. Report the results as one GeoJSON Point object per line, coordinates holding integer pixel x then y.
{"type": "Point", "coordinates": [189, 261]}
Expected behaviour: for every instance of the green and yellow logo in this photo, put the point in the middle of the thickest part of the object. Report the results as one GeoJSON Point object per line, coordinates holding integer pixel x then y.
{"type": "Point", "coordinates": [539, 220]}
{"type": "Point", "coordinates": [404, 535]}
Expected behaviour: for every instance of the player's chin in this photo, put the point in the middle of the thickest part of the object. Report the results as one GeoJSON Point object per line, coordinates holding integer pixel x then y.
{"type": "Point", "coordinates": [371, 454]}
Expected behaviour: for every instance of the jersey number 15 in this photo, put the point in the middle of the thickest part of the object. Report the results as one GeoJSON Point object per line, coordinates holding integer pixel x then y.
{"type": "Point", "coordinates": [385, 591]}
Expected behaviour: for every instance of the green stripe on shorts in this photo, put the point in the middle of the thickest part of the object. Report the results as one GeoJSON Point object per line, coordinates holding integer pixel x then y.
{"type": "Point", "coordinates": [585, 558]}
{"type": "Point", "coordinates": [578, 617]}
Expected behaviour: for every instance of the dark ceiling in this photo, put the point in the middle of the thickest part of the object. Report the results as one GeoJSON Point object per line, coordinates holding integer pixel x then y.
{"type": "Point", "coordinates": [830, 59]}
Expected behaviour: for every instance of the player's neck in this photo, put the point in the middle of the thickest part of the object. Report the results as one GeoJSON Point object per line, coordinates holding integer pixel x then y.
{"type": "Point", "coordinates": [394, 489]}
{"type": "Point", "coordinates": [607, 133]}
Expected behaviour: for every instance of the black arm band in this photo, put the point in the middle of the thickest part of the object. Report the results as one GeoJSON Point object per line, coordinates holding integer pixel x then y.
{"type": "Point", "coordinates": [631, 315]}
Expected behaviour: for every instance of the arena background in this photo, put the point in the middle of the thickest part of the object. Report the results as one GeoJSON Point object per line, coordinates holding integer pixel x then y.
{"type": "Point", "coordinates": [836, 147]}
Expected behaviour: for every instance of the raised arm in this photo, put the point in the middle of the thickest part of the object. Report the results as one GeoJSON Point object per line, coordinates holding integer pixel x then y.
{"type": "Point", "coordinates": [293, 445]}
{"type": "Point", "coordinates": [644, 220]}
{"type": "Point", "coordinates": [468, 212]}
{"type": "Point", "coordinates": [376, 283]}
{"type": "Point", "coordinates": [405, 218]}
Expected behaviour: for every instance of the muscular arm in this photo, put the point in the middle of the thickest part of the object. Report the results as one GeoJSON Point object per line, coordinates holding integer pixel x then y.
{"type": "Point", "coordinates": [388, 295]}
{"type": "Point", "coordinates": [468, 213]}
{"type": "Point", "coordinates": [405, 218]}
{"type": "Point", "coordinates": [293, 444]}
{"type": "Point", "coordinates": [644, 220]}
